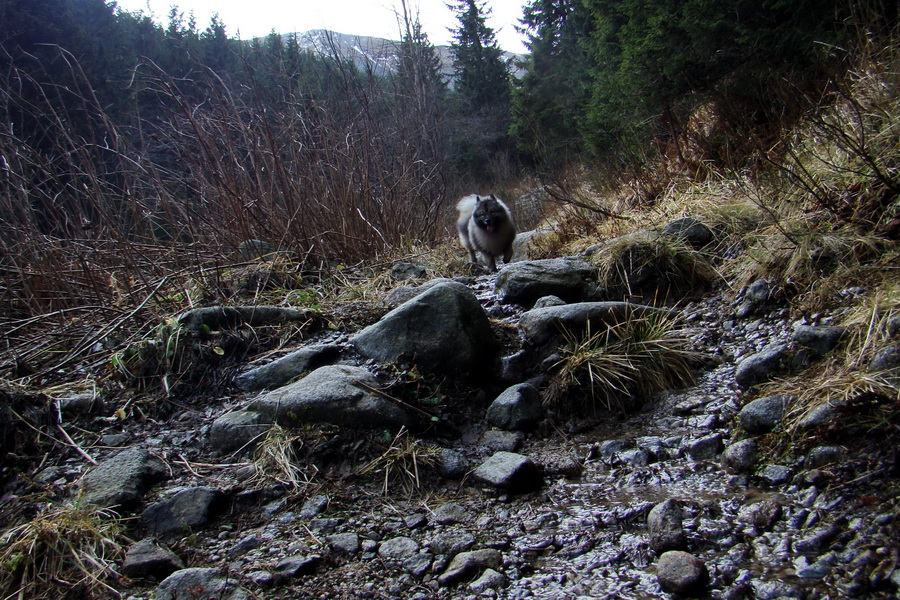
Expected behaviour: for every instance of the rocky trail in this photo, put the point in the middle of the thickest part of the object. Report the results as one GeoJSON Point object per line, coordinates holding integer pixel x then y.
{"type": "Point", "coordinates": [670, 499]}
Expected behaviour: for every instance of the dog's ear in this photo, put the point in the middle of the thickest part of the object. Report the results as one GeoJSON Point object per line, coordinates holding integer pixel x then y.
{"type": "Point", "coordinates": [494, 198]}
{"type": "Point", "coordinates": [477, 199]}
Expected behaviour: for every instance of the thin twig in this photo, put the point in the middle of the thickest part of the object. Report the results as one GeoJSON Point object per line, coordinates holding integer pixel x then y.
{"type": "Point", "coordinates": [386, 396]}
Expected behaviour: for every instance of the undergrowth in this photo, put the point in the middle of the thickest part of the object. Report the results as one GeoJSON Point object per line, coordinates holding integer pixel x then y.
{"type": "Point", "coordinates": [403, 463]}
{"type": "Point", "coordinates": [65, 551]}
{"type": "Point", "coordinates": [619, 367]}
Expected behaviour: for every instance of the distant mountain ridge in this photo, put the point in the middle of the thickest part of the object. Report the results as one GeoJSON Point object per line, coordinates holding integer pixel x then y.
{"type": "Point", "coordinates": [378, 54]}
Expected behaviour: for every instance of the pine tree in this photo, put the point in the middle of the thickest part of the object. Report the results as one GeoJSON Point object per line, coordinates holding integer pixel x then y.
{"type": "Point", "coordinates": [482, 77]}
{"type": "Point", "coordinates": [550, 99]}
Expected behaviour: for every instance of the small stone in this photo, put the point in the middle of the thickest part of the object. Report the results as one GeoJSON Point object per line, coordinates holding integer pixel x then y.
{"type": "Point", "coordinates": [449, 513]}
{"type": "Point", "coordinates": [705, 448]}
{"type": "Point", "coordinates": [313, 507]}
{"type": "Point", "coordinates": [295, 566]}
{"type": "Point", "coordinates": [466, 565]}
{"type": "Point", "coordinates": [489, 580]}
{"type": "Point", "coordinates": [634, 457]}
{"type": "Point", "coordinates": [764, 414]}
{"type": "Point", "coordinates": [820, 340]}
{"type": "Point", "coordinates": [518, 408]}
{"type": "Point", "coordinates": [398, 548]}
{"type": "Point", "coordinates": [452, 464]}
{"type": "Point", "coordinates": [664, 523]}
{"type": "Point", "coordinates": [681, 573]}
{"type": "Point", "coordinates": [776, 474]}
{"type": "Point", "coordinates": [509, 471]}
{"type": "Point", "coordinates": [610, 448]}
{"type": "Point", "coordinates": [200, 584]}
{"type": "Point", "coordinates": [761, 515]}
{"type": "Point", "coordinates": [761, 366]}
{"type": "Point", "coordinates": [418, 565]}
{"type": "Point", "coordinates": [148, 558]}
{"type": "Point", "coordinates": [740, 457]}
{"type": "Point", "coordinates": [345, 543]}
{"type": "Point", "coordinates": [415, 521]}
{"type": "Point", "coordinates": [823, 455]}
{"type": "Point", "coordinates": [451, 543]}
{"type": "Point", "coordinates": [244, 546]}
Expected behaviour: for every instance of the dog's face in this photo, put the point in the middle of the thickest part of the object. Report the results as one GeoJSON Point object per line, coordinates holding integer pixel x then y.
{"type": "Point", "coordinates": [488, 214]}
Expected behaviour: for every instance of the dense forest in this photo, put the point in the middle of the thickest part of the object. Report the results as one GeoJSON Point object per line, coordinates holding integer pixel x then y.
{"type": "Point", "coordinates": [138, 147]}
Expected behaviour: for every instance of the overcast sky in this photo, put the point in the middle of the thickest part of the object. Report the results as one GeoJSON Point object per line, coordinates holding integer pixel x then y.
{"type": "Point", "coordinates": [253, 18]}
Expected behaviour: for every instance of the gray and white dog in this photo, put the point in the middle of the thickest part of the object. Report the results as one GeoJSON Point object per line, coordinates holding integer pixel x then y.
{"type": "Point", "coordinates": [485, 227]}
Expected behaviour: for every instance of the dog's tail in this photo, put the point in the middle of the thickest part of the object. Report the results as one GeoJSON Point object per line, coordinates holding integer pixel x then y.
{"type": "Point", "coordinates": [466, 206]}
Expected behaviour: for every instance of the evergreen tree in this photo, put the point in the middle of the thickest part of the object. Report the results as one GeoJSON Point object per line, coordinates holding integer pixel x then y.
{"type": "Point", "coordinates": [482, 91]}
{"type": "Point", "coordinates": [655, 61]}
{"type": "Point", "coordinates": [550, 99]}
{"type": "Point", "coordinates": [482, 77]}
{"type": "Point", "coordinates": [217, 49]}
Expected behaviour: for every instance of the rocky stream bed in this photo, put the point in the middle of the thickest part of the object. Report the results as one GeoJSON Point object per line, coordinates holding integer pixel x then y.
{"type": "Point", "coordinates": [672, 498]}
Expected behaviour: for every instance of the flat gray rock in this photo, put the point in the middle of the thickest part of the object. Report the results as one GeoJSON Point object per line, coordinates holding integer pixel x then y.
{"type": "Point", "coordinates": [398, 548]}
{"type": "Point", "coordinates": [467, 565]}
{"type": "Point", "coordinates": [330, 395]}
{"type": "Point", "coordinates": [542, 325]}
{"type": "Point", "coordinates": [281, 371]}
{"type": "Point", "coordinates": [121, 480]}
{"type": "Point", "coordinates": [200, 584]}
{"type": "Point", "coordinates": [572, 279]}
{"type": "Point", "coordinates": [186, 511]}
{"type": "Point", "coordinates": [150, 559]}
{"type": "Point", "coordinates": [509, 471]}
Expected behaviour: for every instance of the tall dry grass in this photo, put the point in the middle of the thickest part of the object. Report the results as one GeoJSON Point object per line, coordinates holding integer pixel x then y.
{"type": "Point", "coordinates": [104, 219]}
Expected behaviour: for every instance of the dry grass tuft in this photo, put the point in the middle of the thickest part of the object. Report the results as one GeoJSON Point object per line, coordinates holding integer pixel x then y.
{"type": "Point", "coordinates": [654, 265]}
{"type": "Point", "coordinates": [801, 252]}
{"type": "Point", "coordinates": [635, 358]}
{"type": "Point", "coordinates": [277, 458]}
{"type": "Point", "coordinates": [403, 462]}
{"type": "Point", "coordinates": [66, 551]}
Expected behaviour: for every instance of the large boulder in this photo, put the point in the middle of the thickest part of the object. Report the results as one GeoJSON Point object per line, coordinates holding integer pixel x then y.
{"type": "Point", "coordinates": [445, 330]}
{"type": "Point", "coordinates": [121, 480]}
{"type": "Point", "coordinates": [333, 394]}
{"type": "Point", "coordinates": [544, 325]}
{"type": "Point", "coordinates": [572, 279]}
{"type": "Point", "coordinates": [230, 317]}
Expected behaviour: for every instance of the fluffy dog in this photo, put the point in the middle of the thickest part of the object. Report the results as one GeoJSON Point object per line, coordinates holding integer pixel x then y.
{"type": "Point", "coordinates": [485, 228]}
